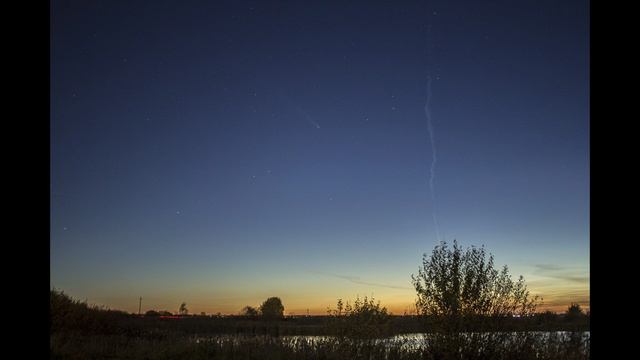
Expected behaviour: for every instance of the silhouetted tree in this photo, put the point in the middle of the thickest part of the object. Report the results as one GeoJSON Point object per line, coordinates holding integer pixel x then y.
{"type": "Point", "coordinates": [68, 314]}
{"type": "Point", "coordinates": [272, 308]}
{"type": "Point", "coordinates": [365, 319]}
{"type": "Point", "coordinates": [183, 309]}
{"type": "Point", "coordinates": [457, 286]}
{"type": "Point", "coordinates": [574, 312]}
{"type": "Point", "coordinates": [249, 311]}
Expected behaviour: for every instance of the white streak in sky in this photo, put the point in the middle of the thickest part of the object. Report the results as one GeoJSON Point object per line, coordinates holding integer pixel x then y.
{"type": "Point", "coordinates": [434, 157]}
{"type": "Point", "coordinates": [307, 117]}
{"type": "Point", "coordinates": [298, 109]}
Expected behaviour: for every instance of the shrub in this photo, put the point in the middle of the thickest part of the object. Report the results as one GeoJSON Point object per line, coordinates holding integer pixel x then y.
{"type": "Point", "coordinates": [365, 319]}
{"type": "Point", "coordinates": [459, 289]}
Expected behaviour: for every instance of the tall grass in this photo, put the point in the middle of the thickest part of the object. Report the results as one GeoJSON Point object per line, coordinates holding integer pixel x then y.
{"type": "Point", "coordinates": [530, 346]}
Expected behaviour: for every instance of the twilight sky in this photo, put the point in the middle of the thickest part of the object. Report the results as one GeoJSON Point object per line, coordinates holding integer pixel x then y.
{"type": "Point", "coordinates": [221, 152]}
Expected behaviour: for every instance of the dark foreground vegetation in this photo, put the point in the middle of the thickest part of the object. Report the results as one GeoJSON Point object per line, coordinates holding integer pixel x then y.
{"type": "Point", "coordinates": [467, 310]}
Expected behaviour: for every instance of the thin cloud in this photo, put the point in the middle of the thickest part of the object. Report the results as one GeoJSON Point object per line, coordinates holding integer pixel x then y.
{"type": "Point", "coordinates": [358, 280]}
{"type": "Point", "coordinates": [564, 298]}
{"type": "Point", "coordinates": [568, 274]}
{"type": "Point", "coordinates": [548, 267]}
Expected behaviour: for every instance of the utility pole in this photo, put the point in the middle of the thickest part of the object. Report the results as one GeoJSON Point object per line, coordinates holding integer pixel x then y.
{"type": "Point", "coordinates": [140, 306]}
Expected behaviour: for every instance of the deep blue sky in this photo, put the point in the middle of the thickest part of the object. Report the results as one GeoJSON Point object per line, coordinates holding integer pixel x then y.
{"type": "Point", "coordinates": [220, 152]}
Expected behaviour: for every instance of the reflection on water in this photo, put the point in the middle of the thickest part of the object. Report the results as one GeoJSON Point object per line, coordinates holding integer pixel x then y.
{"type": "Point", "coordinates": [413, 340]}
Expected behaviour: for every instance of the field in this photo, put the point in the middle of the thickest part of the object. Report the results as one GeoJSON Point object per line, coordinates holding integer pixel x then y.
{"type": "Point", "coordinates": [79, 331]}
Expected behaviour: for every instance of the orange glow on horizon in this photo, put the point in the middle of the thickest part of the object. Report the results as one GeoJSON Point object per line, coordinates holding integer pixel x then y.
{"type": "Point", "coordinates": [559, 305]}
